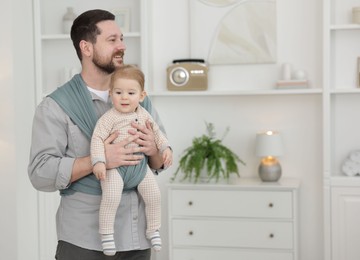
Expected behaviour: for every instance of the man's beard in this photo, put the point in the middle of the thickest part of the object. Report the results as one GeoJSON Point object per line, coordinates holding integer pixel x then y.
{"type": "Point", "coordinates": [107, 67]}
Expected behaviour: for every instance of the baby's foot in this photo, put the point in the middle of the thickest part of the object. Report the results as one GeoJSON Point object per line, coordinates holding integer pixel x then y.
{"type": "Point", "coordinates": [155, 240]}
{"type": "Point", "coordinates": [108, 244]}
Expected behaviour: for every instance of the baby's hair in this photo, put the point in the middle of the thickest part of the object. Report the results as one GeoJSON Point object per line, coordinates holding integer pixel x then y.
{"type": "Point", "coordinates": [128, 72]}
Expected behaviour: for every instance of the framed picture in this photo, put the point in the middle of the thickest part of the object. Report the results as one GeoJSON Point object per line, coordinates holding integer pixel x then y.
{"type": "Point", "coordinates": [122, 17]}
{"type": "Point", "coordinates": [233, 31]}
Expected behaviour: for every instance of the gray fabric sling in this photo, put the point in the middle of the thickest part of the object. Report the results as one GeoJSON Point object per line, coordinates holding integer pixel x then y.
{"type": "Point", "coordinates": [75, 99]}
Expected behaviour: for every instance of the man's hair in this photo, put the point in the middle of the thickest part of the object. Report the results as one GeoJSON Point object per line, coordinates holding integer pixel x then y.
{"type": "Point", "coordinates": [85, 27]}
{"type": "Point", "coordinates": [128, 72]}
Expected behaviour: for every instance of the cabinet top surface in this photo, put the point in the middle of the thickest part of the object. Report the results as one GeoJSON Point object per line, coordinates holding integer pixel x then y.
{"type": "Point", "coordinates": [253, 183]}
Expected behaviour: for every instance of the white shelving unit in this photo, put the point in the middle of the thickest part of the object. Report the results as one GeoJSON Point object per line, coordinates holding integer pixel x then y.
{"type": "Point", "coordinates": [341, 49]}
{"type": "Point", "coordinates": [54, 54]}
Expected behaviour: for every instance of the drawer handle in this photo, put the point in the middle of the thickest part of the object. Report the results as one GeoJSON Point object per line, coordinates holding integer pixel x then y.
{"type": "Point", "coordinates": [271, 235]}
{"type": "Point", "coordinates": [191, 233]}
{"type": "Point", "coordinates": [190, 203]}
{"type": "Point", "coordinates": [271, 205]}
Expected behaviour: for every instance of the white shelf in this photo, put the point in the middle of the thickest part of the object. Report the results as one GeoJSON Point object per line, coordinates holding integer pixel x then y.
{"type": "Point", "coordinates": [345, 27]}
{"type": "Point", "coordinates": [345, 181]}
{"type": "Point", "coordinates": [238, 92]}
{"type": "Point", "coordinates": [345, 91]}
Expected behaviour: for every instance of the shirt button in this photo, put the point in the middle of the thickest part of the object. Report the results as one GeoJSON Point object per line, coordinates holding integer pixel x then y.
{"type": "Point", "coordinates": [135, 217]}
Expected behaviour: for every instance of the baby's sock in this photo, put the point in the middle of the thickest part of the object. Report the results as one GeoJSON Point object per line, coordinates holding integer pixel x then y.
{"type": "Point", "coordinates": [108, 244]}
{"type": "Point", "coordinates": [155, 240]}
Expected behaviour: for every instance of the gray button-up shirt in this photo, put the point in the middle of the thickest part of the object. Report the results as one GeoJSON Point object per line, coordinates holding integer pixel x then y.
{"type": "Point", "coordinates": [56, 142]}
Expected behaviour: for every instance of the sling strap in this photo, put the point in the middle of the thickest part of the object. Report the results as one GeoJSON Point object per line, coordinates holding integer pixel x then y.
{"type": "Point", "coordinates": [75, 99]}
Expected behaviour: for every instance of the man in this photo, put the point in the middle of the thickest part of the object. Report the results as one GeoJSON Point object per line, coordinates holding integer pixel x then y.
{"type": "Point", "coordinates": [60, 150]}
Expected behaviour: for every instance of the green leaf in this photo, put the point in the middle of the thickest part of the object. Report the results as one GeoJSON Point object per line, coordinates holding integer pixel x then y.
{"type": "Point", "coordinates": [208, 153]}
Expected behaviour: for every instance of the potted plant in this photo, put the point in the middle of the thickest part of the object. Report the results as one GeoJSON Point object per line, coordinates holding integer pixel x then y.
{"type": "Point", "coordinates": [207, 155]}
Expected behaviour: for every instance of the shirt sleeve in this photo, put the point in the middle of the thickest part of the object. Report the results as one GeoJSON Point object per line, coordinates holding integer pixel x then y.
{"type": "Point", "coordinates": [49, 166]}
{"type": "Point", "coordinates": [101, 132]}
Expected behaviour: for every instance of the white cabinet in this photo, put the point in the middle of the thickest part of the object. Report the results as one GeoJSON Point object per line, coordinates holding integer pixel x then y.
{"type": "Point", "coordinates": [345, 223]}
{"type": "Point", "coordinates": [55, 57]}
{"type": "Point", "coordinates": [341, 95]}
{"type": "Point", "coordinates": [249, 220]}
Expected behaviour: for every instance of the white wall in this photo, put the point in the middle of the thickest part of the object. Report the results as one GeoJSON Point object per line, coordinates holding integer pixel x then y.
{"type": "Point", "coordinates": [8, 225]}
{"type": "Point", "coordinates": [299, 117]}
{"type": "Point", "coordinates": [18, 220]}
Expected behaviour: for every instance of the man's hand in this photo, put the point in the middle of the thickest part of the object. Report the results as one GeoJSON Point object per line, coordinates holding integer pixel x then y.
{"type": "Point", "coordinates": [117, 155]}
{"type": "Point", "coordinates": [147, 144]}
{"type": "Point", "coordinates": [146, 139]}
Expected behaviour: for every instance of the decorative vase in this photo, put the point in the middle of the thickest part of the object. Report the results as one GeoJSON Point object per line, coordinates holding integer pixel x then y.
{"type": "Point", "coordinates": [68, 20]}
{"type": "Point", "coordinates": [286, 71]}
{"type": "Point", "coordinates": [270, 173]}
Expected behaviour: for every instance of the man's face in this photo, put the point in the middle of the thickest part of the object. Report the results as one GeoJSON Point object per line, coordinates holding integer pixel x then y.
{"type": "Point", "coordinates": [109, 48]}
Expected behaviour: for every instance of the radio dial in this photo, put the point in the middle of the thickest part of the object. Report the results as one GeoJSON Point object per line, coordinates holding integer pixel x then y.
{"type": "Point", "coordinates": [179, 76]}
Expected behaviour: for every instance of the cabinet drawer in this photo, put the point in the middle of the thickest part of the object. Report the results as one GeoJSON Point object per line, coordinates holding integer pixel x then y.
{"type": "Point", "coordinates": [229, 254]}
{"type": "Point", "coordinates": [232, 233]}
{"type": "Point", "coordinates": [260, 204]}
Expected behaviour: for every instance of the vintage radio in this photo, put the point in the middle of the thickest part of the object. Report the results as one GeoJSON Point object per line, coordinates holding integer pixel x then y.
{"type": "Point", "coordinates": [187, 74]}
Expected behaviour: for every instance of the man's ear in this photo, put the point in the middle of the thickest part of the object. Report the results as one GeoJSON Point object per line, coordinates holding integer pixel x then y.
{"type": "Point", "coordinates": [86, 48]}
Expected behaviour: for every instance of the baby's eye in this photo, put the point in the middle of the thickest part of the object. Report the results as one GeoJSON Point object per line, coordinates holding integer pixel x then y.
{"type": "Point", "coordinates": [131, 93]}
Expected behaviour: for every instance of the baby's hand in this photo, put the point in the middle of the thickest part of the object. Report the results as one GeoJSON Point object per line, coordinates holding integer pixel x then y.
{"type": "Point", "coordinates": [167, 158]}
{"type": "Point", "coordinates": [100, 170]}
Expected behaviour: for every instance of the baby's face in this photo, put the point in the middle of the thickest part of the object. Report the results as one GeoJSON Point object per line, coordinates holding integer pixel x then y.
{"type": "Point", "coordinates": [126, 95]}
